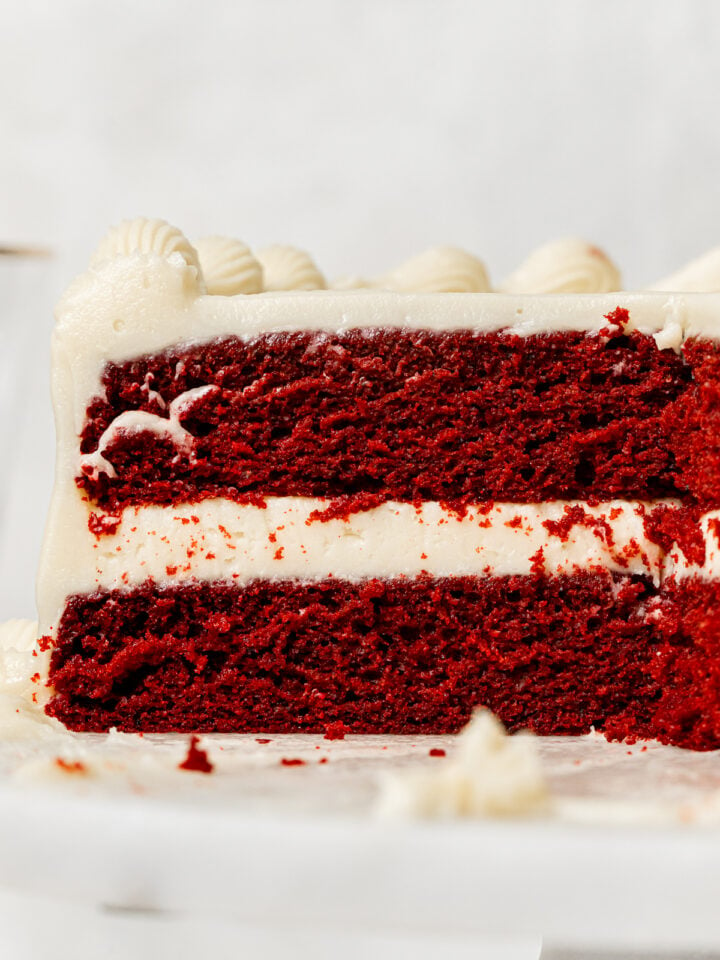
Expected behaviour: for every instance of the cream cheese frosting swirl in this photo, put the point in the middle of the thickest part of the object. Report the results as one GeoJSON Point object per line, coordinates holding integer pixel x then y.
{"type": "Point", "coordinates": [564, 266]}
{"type": "Point", "coordinates": [144, 235]}
{"type": "Point", "coordinates": [438, 270]}
{"type": "Point", "coordinates": [229, 266]}
{"type": "Point", "coordinates": [288, 268]}
{"type": "Point", "coordinates": [699, 276]}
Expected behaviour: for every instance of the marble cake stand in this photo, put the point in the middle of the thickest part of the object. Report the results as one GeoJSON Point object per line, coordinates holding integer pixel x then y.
{"type": "Point", "coordinates": [289, 860]}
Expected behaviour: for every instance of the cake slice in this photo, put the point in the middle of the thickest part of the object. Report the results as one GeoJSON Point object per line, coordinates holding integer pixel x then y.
{"type": "Point", "coordinates": [371, 510]}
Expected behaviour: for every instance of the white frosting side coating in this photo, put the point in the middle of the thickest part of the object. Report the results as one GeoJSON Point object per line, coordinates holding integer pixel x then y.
{"type": "Point", "coordinates": [490, 774]}
{"type": "Point", "coordinates": [701, 275]}
{"type": "Point", "coordinates": [229, 266]}
{"type": "Point", "coordinates": [287, 268]}
{"type": "Point", "coordinates": [564, 266]}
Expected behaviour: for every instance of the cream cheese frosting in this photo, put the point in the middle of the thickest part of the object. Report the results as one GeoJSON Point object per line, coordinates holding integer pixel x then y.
{"type": "Point", "coordinates": [490, 774]}
{"type": "Point", "coordinates": [218, 539]}
{"type": "Point", "coordinates": [229, 266]}
{"type": "Point", "coordinates": [565, 266]}
{"type": "Point", "coordinates": [439, 270]}
{"type": "Point", "coordinates": [147, 236]}
{"type": "Point", "coordinates": [701, 275]}
{"type": "Point", "coordinates": [288, 268]}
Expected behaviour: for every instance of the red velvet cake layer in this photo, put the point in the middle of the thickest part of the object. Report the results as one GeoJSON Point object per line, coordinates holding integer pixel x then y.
{"type": "Point", "coordinates": [557, 655]}
{"type": "Point", "coordinates": [408, 415]}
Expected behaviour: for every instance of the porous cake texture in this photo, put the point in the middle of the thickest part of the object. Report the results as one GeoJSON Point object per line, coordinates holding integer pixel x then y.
{"type": "Point", "coordinates": [280, 507]}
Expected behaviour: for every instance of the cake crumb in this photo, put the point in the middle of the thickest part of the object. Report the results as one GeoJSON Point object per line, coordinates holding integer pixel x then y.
{"type": "Point", "coordinates": [71, 766]}
{"type": "Point", "coordinates": [335, 730]}
{"type": "Point", "coordinates": [436, 752]}
{"type": "Point", "coordinates": [197, 759]}
{"type": "Point", "coordinates": [103, 524]}
{"type": "Point", "coordinates": [263, 740]}
{"type": "Point", "coordinates": [292, 762]}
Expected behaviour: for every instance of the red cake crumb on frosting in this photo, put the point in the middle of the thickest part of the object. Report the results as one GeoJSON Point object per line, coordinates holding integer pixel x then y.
{"type": "Point", "coordinates": [197, 759]}
{"type": "Point", "coordinates": [71, 766]}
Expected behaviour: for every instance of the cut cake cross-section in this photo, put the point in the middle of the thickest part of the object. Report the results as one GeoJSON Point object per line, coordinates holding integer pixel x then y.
{"type": "Point", "coordinates": [372, 510]}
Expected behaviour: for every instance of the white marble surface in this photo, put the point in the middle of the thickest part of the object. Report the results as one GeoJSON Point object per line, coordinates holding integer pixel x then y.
{"type": "Point", "coordinates": [298, 851]}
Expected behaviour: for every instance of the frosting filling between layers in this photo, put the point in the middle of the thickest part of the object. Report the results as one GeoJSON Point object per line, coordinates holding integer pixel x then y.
{"type": "Point", "coordinates": [299, 538]}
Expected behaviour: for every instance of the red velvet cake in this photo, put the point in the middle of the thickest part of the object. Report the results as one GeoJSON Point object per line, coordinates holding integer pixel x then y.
{"type": "Point", "coordinates": [284, 508]}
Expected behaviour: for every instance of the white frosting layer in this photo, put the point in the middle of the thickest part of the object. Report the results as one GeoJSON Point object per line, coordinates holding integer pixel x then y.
{"type": "Point", "coordinates": [221, 540]}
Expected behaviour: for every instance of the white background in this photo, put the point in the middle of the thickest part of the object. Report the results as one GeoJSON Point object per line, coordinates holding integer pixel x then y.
{"type": "Point", "coordinates": [367, 131]}
{"type": "Point", "coordinates": [364, 132]}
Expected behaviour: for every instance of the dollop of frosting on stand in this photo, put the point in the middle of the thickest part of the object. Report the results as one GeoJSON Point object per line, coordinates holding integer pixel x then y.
{"type": "Point", "coordinates": [489, 774]}
{"type": "Point", "coordinates": [23, 664]}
